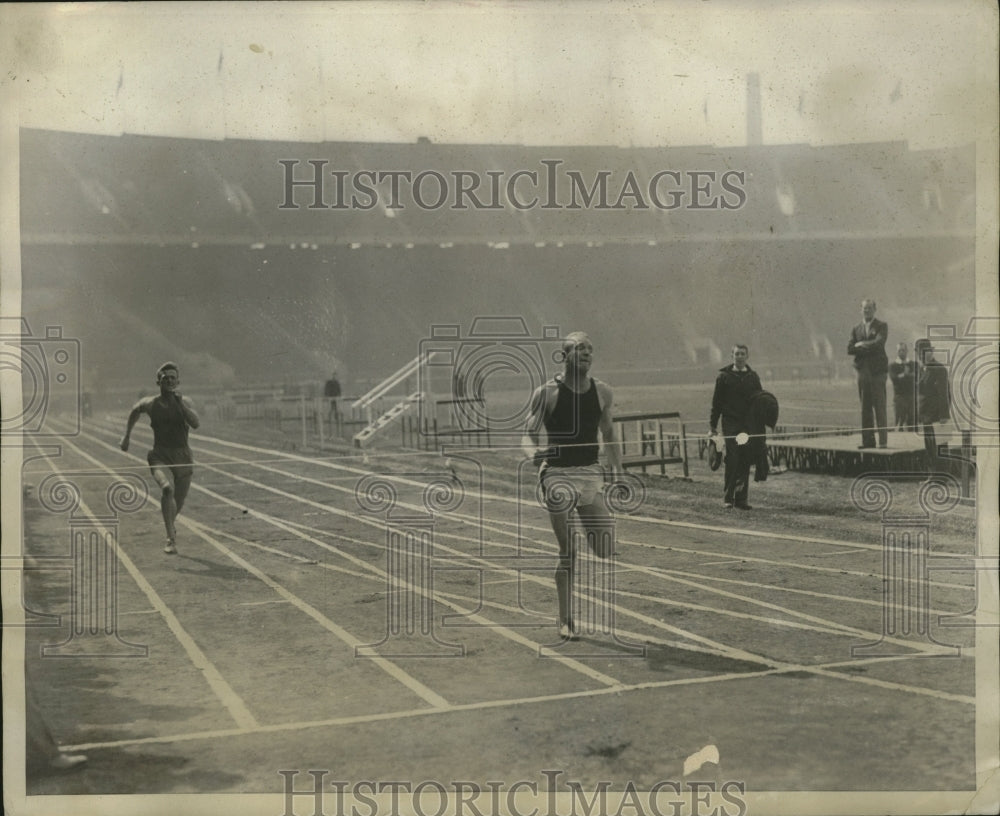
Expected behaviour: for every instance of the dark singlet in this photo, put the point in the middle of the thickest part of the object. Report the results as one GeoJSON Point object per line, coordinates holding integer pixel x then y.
{"type": "Point", "coordinates": [572, 427]}
{"type": "Point", "coordinates": [170, 429]}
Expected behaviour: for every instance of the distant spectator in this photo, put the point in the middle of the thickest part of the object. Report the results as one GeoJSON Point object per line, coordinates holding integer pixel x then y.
{"type": "Point", "coordinates": [903, 374]}
{"type": "Point", "coordinates": [933, 393]}
{"type": "Point", "coordinates": [762, 414]}
{"type": "Point", "coordinates": [332, 392]}
{"type": "Point", "coordinates": [867, 347]}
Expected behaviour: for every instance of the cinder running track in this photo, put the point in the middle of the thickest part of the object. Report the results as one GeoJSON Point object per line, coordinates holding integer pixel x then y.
{"type": "Point", "coordinates": [285, 636]}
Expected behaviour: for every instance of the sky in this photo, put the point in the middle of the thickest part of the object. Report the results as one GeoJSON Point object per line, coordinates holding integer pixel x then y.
{"type": "Point", "coordinates": [642, 74]}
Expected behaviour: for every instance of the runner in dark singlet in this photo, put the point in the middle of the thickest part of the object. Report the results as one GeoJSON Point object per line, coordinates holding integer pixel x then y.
{"type": "Point", "coordinates": [573, 424]}
{"type": "Point", "coordinates": [572, 408]}
{"type": "Point", "coordinates": [170, 460]}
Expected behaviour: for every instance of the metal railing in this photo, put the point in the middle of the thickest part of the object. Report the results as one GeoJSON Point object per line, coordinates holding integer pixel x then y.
{"type": "Point", "coordinates": [645, 444]}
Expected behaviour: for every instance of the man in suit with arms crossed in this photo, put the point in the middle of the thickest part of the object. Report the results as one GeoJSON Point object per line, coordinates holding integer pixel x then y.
{"type": "Point", "coordinates": [867, 347]}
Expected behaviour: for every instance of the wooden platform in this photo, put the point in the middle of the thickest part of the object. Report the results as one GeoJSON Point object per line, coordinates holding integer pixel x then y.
{"type": "Point", "coordinates": [840, 454]}
{"type": "Point", "coordinates": [905, 453]}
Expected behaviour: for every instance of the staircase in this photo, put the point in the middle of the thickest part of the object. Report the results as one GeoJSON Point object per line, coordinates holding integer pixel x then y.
{"type": "Point", "coordinates": [362, 437]}
{"type": "Point", "coordinates": [367, 401]}
{"type": "Point", "coordinates": [367, 405]}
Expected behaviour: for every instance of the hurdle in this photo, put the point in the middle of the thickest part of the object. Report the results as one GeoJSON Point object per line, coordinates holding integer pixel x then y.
{"type": "Point", "coordinates": [644, 443]}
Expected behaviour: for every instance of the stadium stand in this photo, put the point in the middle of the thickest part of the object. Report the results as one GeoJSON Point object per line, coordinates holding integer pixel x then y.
{"type": "Point", "coordinates": [187, 240]}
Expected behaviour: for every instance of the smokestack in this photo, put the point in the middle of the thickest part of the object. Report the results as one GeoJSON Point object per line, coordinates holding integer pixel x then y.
{"type": "Point", "coordinates": [755, 134]}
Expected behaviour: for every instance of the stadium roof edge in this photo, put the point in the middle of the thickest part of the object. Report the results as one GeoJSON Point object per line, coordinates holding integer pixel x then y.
{"type": "Point", "coordinates": [902, 144]}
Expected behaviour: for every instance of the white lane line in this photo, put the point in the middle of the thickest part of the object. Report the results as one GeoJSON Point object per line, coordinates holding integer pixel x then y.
{"type": "Point", "coordinates": [721, 647]}
{"type": "Point", "coordinates": [410, 682]}
{"type": "Point", "coordinates": [829, 628]}
{"type": "Point", "coordinates": [833, 542]}
{"type": "Point", "coordinates": [291, 527]}
{"type": "Point", "coordinates": [638, 638]}
{"type": "Point", "coordinates": [282, 553]}
{"type": "Point", "coordinates": [826, 626]}
{"type": "Point", "coordinates": [298, 559]}
{"type": "Point", "coordinates": [377, 575]}
{"type": "Point", "coordinates": [227, 696]}
{"type": "Point", "coordinates": [810, 593]}
{"type": "Point", "coordinates": [834, 627]}
{"type": "Point", "coordinates": [393, 716]}
{"type": "Point", "coordinates": [414, 685]}
{"type": "Point", "coordinates": [750, 559]}
{"type": "Point", "coordinates": [495, 628]}
{"type": "Point", "coordinates": [643, 519]}
{"type": "Point", "coordinates": [823, 669]}
{"type": "Point", "coordinates": [726, 556]}
{"type": "Point", "coordinates": [524, 526]}
{"type": "Point", "coordinates": [630, 567]}
{"type": "Point", "coordinates": [731, 651]}
{"type": "Point", "coordinates": [478, 522]}
{"type": "Point", "coordinates": [837, 628]}
{"type": "Point", "coordinates": [815, 623]}
{"type": "Point", "coordinates": [818, 624]}
{"type": "Point", "coordinates": [575, 665]}
{"type": "Point", "coordinates": [569, 662]}
{"type": "Point", "coordinates": [886, 684]}
{"type": "Point", "coordinates": [296, 529]}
